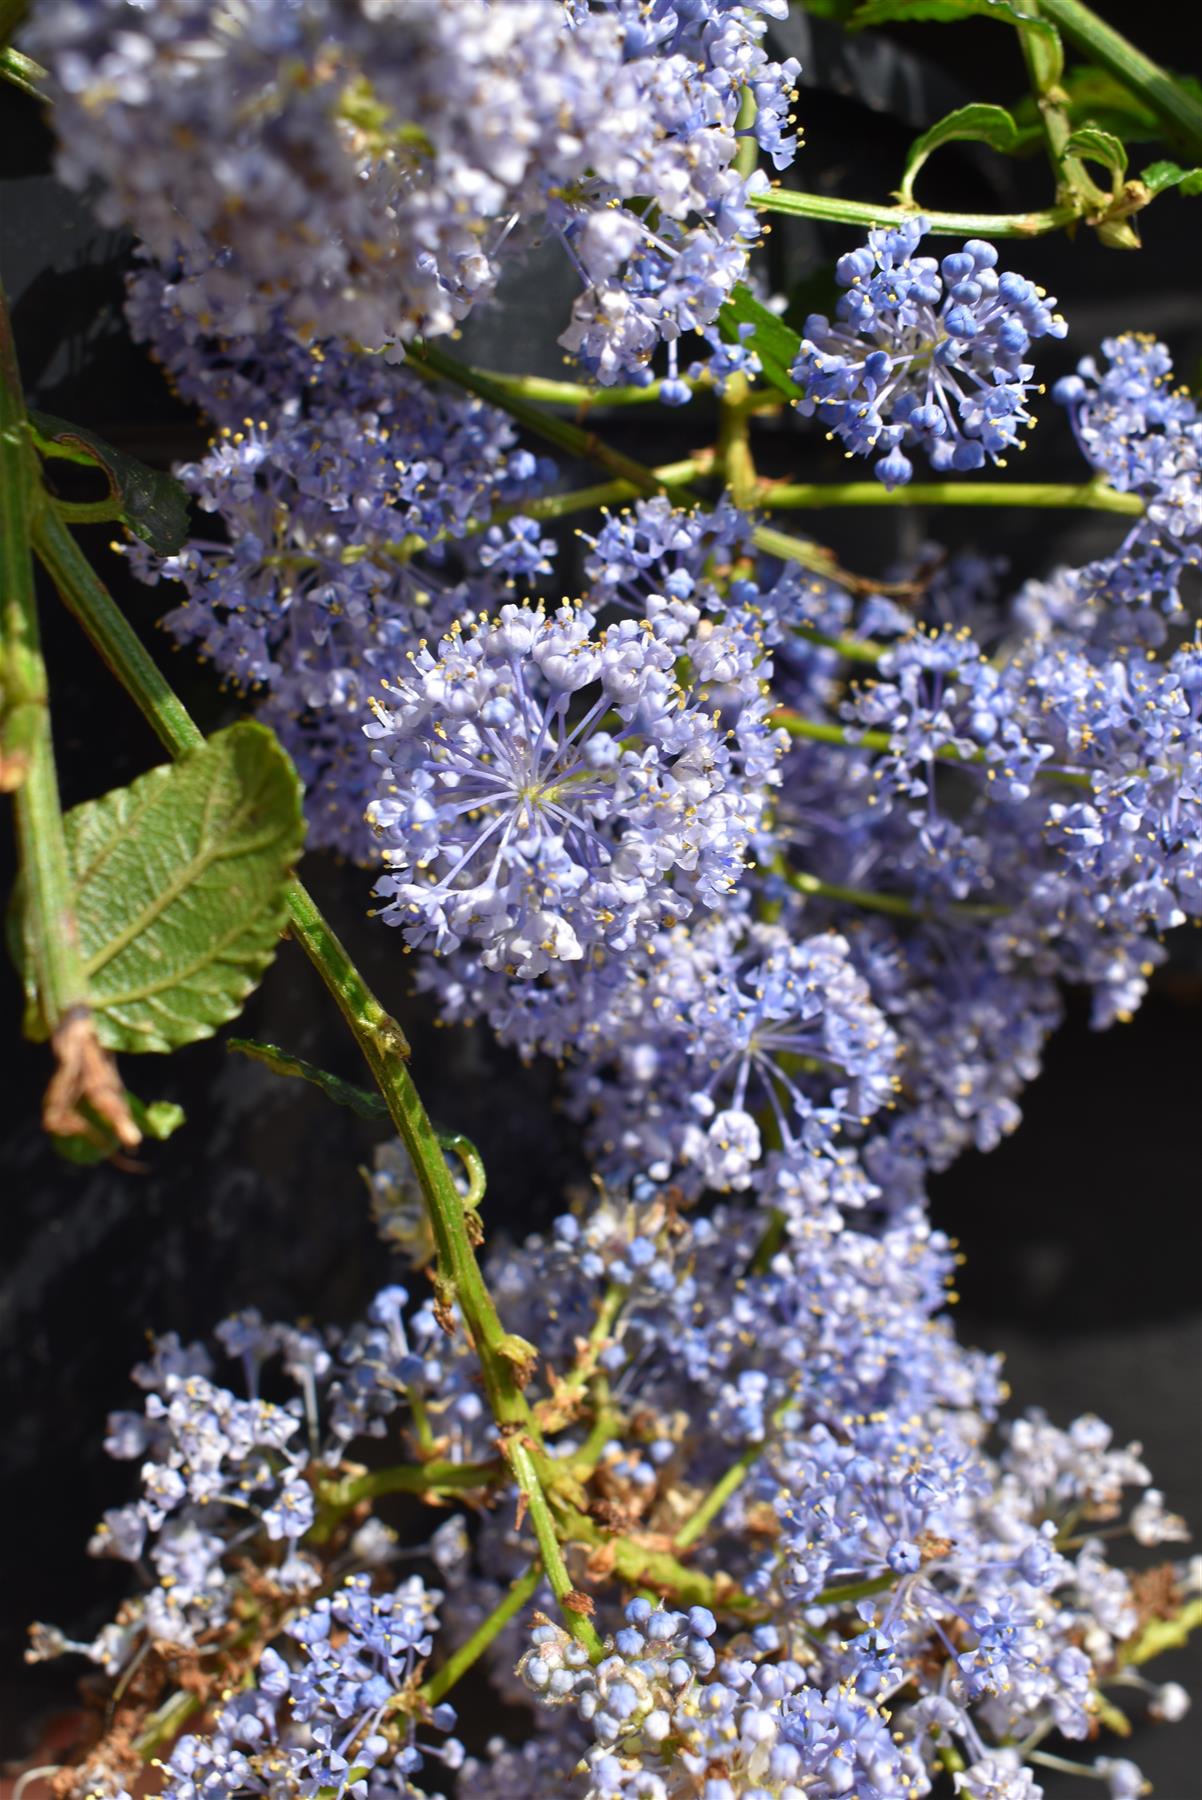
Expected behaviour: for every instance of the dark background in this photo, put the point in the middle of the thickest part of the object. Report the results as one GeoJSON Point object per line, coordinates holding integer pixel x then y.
{"type": "Point", "coordinates": [1081, 1232]}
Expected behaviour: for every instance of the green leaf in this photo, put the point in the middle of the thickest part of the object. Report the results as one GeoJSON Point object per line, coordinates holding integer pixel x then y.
{"type": "Point", "coordinates": [342, 1093]}
{"type": "Point", "coordinates": [776, 346]}
{"type": "Point", "coordinates": [1161, 175]}
{"type": "Point", "coordinates": [158, 1121]}
{"type": "Point", "coordinates": [180, 883]}
{"type": "Point", "coordinates": [22, 72]}
{"type": "Point", "coordinates": [153, 504]}
{"type": "Point", "coordinates": [948, 12]}
{"type": "Point", "coordinates": [978, 123]}
{"type": "Point", "coordinates": [1092, 144]}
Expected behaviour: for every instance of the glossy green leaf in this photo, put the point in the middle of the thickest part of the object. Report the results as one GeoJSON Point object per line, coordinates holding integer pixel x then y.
{"type": "Point", "coordinates": [180, 889]}
{"type": "Point", "coordinates": [22, 72]}
{"type": "Point", "coordinates": [1161, 175]}
{"type": "Point", "coordinates": [773, 342]}
{"type": "Point", "coordinates": [978, 123]}
{"type": "Point", "coordinates": [1092, 144]}
{"type": "Point", "coordinates": [283, 1062]}
{"type": "Point", "coordinates": [948, 12]}
{"type": "Point", "coordinates": [152, 503]}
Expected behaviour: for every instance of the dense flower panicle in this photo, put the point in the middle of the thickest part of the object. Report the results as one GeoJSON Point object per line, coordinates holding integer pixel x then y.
{"type": "Point", "coordinates": [547, 787]}
{"type": "Point", "coordinates": [1144, 435]}
{"type": "Point", "coordinates": [727, 1036]}
{"type": "Point", "coordinates": [870, 1426]}
{"type": "Point", "coordinates": [1080, 872]}
{"type": "Point", "coordinates": [328, 1722]}
{"type": "Point", "coordinates": [379, 162]}
{"type": "Point", "coordinates": [211, 1463]}
{"type": "Point", "coordinates": [665, 1714]}
{"type": "Point", "coordinates": [1042, 810]}
{"type": "Point", "coordinates": [924, 353]}
{"type": "Point", "coordinates": [219, 1472]}
{"type": "Point", "coordinates": [345, 492]}
{"type": "Point", "coordinates": [793, 972]}
{"type": "Point", "coordinates": [391, 1362]}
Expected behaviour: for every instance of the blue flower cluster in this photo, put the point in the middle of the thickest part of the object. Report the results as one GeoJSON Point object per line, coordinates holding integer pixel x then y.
{"type": "Point", "coordinates": [222, 1474]}
{"type": "Point", "coordinates": [214, 1468]}
{"type": "Point", "coordinates": [788, 877]}
{"type": "Point", "coordinates": [924, 354]}
{"type": "Point", "coordinates": [1007, 799]}
{"type": "Point", "coordinates": [547, 788]}
{"type": "Point", "coordinates": [1143, 434]}
{"type": "Point", "coordinates": [899, 1593]}
{"type": "Point", "coordinates": [349, 498]}
{"type": "Point", "coordinates": [340, 1721]}
{"type": "Point", "coordinates": [378, 163]}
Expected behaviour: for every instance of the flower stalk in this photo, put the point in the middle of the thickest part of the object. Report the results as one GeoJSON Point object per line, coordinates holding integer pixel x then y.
{"type": "Point", "coordinates": [85, 1076]}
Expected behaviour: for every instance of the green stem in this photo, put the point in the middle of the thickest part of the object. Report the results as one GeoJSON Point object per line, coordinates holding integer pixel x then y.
{"type": "Point", "coordinates": [503, 1357]}
{"type": "Point", "coordinates": [473, 1165]}
{"type": "Point", "coordinates": [422, 1428]}
{"type": "Point", "coordinates": [954, 1764]}
{"type": "Point", "coordinates": [24, 697]}
{"type": "Point", "coordinates": [577, 393]}
{"type": "Point", "coordinates": [590, 448]}
{"type": "Point", "coordinates": [1159, 1635]}
{"type": "Point", "coordinates": [545, 506]}
{"type": "Point", "coordinates": [852, 1591]}
{"type": "Point", "coordinates": [809, 555]}
{"type": "Point", "coordinates": [819, 731]}
{"type": "Point", "coordinates": [716, 1499]}
{"type": "Point", "coordinates": [606, 1426]}
{"type": "Point", "coordinates": [561, 432]}
{"type": "Point", "coordinates": [730, 1483]}
{"type": "Point", "coordinates": [638, 1566]}
{"type": "Point", "coordinates": [734, 460]}
{"type": "Point", "coordinates": [772, 1238]}
{"type": "Point", "coordinates": [379, 1037]}
{"type": "Point", "coordinates": [412, 1478]}
{"type": "Point", "coordinates": [1085, 496]}
{"type": "Point", "coordinates": [605, 493]}
{"type": "Point", "coordinates": [559, 1409]}
{"type": "Point", "coordinates": [87, 512]}
{"type": "Point", "coordinates": [1043, 55]}
{"type": "Point", "coordinates": [457, 1666]}
{"type": "Point", "coordinates": [120, 648]}
{"type": "Point", "coordinates": [939, 224]}
{"type": "Point", "coordinates": [578, 1623]}
{"type": "Point", "coordinates": [165, 1722]}
{"type": "Point", "coordinates": [660, 1570]}
{"type": "Point", "coordinates": [1062, 1765]}
{"type": "Point", "coordinates": [1173, 105]}
{"type": "Point", "coordinates": [84, 1073]}
{"type": "Point", "coordinates": [748, 152]}
{"type": "Point", "coordinates": [897, 904]}
{"type": "Point", "coordinates": [384, 1049]}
